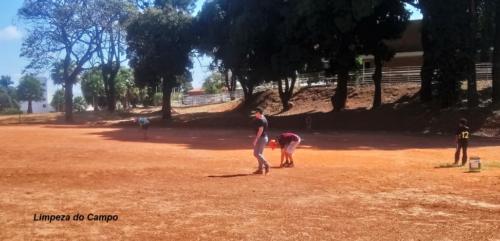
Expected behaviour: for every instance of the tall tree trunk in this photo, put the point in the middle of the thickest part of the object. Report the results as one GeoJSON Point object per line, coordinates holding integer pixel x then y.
{"type": "Point", "coordinates": [111, 97]}
{"type": "Point", "coordinates": [68, 100]}
{"type": "Point", "coordinates": [287, 92]}
{"type": "Point", "coordinates": [96, 108]}
{"type": "Point", "coordinates": [229, 82]}
{"type": "Point", "coordinates": [247, 90]}
{"type": "Point", "coordinates": [428, 66]}
{"type": "Point", "coordinates": [496, 58]}
{"type": "Point", "coordinates": [233, 85]}
{"type": "Point", "coordinates": [109, 77]}
{"type": "Point", "coordinates": [284, 96]}
{"type": "Point", "coordinates": [340, 98]}
{"type": "Point", "coordinates": [472, 96]}
{"type": "Point", "coordinates": [377, 81]}
{"type": "Point", "coordinates": [30, 107]}
{"type": "Point", "coordinates": [167, 93]}
{"type": "Point", "coordinates": [68, 88]}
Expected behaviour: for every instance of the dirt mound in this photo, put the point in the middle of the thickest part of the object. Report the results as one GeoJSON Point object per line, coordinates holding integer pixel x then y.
{"type": "Point", "coordinates": [317, 99]}
{"type": "Point", "coordinates": [401, 111]}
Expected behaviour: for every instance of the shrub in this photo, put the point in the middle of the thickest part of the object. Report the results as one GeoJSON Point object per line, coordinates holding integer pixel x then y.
{"type": "Point", "coordinates": [10, 111]}
{"type": "Point", "coordinates": [158, 99]}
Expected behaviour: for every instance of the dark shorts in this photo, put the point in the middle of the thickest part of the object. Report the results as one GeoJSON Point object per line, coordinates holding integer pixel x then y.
{"type": "Point", "coordinates": [463, 143]}
{"type": "Point", "coordinates": [145, 126]}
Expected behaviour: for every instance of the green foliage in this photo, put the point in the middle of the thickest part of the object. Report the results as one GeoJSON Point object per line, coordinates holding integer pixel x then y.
{"type": "Point", "coordinates": [5, 81]}
{"type": "Point", "coordinates": [158, 99]}
{"type": "Point", "coordinates": [60, 31]}
{"type": "Point", "coordinates": [155, 37]}
{"type": "Point", "coordinates": [30, 89]}
{"type": "Point", "coordinates": [185, 82]}
{"type": "Point", "coordinates": [186, 5]}
{"type": "Point", "coordinates": [8, 96]}
{"type": "Point", "coordinates": [146, 96]}
{"type": "Point", "coordinates": [79, 104]}
{"type": "Point", "coordinates": [11, 111]}
{"type": "Point", "coordinates": [57, 101]}
{"type": "Point", "coordinates": [213, 84]}
{"type": "Point", "coordinates": [265, 40]}
{"type": "Point", "coordinates": [449, 49]}
{"type": "Point", "coordinates": [124, 83]}
{"type": "Point", "coordinates": [57, 72]}
{"type": "Point", "coordinates": [159, 43]}
{"type": "Point", "coordinates": [112, 17]}
{"type": "Point", "coordinates": [93, 88]}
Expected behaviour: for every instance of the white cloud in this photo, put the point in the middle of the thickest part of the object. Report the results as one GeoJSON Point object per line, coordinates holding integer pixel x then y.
{"type": "Point", "coordinates": [10, 33]}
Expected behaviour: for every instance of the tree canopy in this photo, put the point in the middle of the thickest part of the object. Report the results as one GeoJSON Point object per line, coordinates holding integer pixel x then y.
{"type": "Point", "coordinates": [159, 46]}
{"type": "Point", "coordinates": [30, 89]}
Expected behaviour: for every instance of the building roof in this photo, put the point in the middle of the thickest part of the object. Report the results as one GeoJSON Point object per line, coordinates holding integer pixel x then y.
{"type": "Point", "coordinates": [194, 90]}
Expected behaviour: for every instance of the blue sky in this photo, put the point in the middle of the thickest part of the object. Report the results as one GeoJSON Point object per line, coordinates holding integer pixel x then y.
{"type": "Point", "coordinates": [11, 36]}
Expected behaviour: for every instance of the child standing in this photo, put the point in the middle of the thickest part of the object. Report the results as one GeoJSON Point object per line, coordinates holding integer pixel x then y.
{"type": "Point", "coordinates": [462, 138]}
{"type": "Point", "coordinates": [260, 141]}
{"type": "Point", "coordinates": [144, 124]}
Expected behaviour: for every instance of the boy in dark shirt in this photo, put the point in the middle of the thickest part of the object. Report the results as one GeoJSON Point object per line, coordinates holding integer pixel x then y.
{"type": "Point", "coordinates": [260, 141]}
{"type": "Point", "coordinates": [288, 142]}
{"type": "Point", "coordinates": [462, 138]}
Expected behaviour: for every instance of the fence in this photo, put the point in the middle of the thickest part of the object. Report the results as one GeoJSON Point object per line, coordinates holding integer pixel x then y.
{"type": "Point", "coordinates": [196, 100]}
{"type": "Point", "coordinates": [389, 75]}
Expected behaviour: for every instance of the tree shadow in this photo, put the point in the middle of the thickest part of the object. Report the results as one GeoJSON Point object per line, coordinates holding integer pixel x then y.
{"type": "Point", "coordinates": [472, 172]}
{"type": "Point", "coordinates": [233, 175]}
{"type": "Point", "coordinates": [447, 166]}
{"type": "Point", "coordinates": [241, 139]}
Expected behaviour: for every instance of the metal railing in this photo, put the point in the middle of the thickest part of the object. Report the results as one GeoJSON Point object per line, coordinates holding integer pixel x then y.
{"type": "Point", "coordinates": [208, 99]}
{"type": "Point", "coordinates": [407, 74]}
{"type": "Point", "coordinates": [389, 75]}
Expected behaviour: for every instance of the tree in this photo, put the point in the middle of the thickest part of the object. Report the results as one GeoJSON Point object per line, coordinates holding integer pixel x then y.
{"type": "Point", "coordinates": [496, 57]}
{"type": "Point", "coordinates": [126, 90]}
{"type": "Point", "coordinates": [30, 89]}
{"type": "Point", "coordinates": [388, 22]}
{"type": "Point", "coordinates": [111, 44]}
{"type": "Point", "coordinates": [57, 73]}
{"type": "Point", "coordinates": [8, 98]}
{"type": "Point", "coordinates": [221, 34]}
{"type": "Point", "coordinates": [60, 28]}
{"type": "Point", "coordinates": [186, 81]}
{"type": "Point", "coordinates": [93, 88]}
{"type": "Point", "coordinates": [450, 47]}
{"type": "Point", "coordinates": [213, 84]}
{"type": "Point", "coordinates": [5, 81]}
{"type": "Point", "coordinates": [80, 104]}
{"type": "Point", "coordinates": [332, 31]}
{"type": "Point", "coordinates": [57, 101]}
{"type": "Point", "coordinates": [160, 41]}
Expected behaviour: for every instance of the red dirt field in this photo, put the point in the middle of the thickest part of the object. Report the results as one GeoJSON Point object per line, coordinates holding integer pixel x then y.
{"type": "Point", "coordinates": [194, 184]}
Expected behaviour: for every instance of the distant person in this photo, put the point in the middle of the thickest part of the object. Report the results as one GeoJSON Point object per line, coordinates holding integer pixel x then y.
{"type": "Point", "coordinates": [288, 143]}
{"type": "Point", "coordinates": [144, 124]}
{"type": "Point", "coordinates": [462, 138]}
{"type": "Point", "coordinates": [260, 141]}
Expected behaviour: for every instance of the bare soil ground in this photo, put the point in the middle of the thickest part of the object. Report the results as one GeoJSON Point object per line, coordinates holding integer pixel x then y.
{"type": "Point", "coordinates": [195, 184]}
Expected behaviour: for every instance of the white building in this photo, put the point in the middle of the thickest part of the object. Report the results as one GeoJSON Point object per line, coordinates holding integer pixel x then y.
{"type": "Point", "coordinates": [38, 106]}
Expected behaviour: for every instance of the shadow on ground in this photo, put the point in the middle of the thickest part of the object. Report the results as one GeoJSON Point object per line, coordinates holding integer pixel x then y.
{"type": "Point", "coordinates": [237, 139]}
